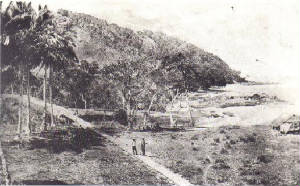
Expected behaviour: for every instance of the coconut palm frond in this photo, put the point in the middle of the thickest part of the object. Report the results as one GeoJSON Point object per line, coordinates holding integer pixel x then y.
{"type": "Point", "coordinates": [18, 16]}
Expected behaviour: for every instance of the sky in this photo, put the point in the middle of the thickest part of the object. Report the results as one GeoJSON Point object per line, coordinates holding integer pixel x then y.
{"type": "Point", "coordinates": [260, 38]}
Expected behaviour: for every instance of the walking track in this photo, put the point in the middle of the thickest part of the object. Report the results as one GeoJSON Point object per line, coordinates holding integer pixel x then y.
{"type": "Point", "coordinates": [173, 177]}
{"type": "Point", "coordinates": [59, 110]}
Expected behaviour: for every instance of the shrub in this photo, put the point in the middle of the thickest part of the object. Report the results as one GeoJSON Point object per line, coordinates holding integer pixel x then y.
{"type": "Point", "coordinates": [220, 164]}
{"type": "Point", "coordinates": [121, 117]}
{"type": "Point", "coordinates": [223, 151]}
{"type": "Point", "coordinates": [265, 158]}
{"type": "Point", "coordinates": [217, 140]}
{"type": "Point", "coordinates": [227, 145]}
{"type": "Point", "coordinates": [195, 149]}
{"type": "Point", "coordinates": [173, 137]}
{"type": "Point", "coordinates": [232, 142]}
{"type": "Point", "coordinates": [195, 137]}
{"type": "Point", "coordinates": [222, 131]}
{"type": "Point", "coordinates": [247, 139]}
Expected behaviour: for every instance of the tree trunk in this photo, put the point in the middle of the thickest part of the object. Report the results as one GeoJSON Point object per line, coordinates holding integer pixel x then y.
{"type": "Point", "coordinates": [145, 119]}
{"type": "Point", "coordinates": [146, 115]}
{"type": "Point", "coordinates": [104, 118]}
{"type": "Point", "coordinates": [128, 112]}
{"type": "Point", "coordinates": [50, 94]}
{"type": "Point", "coordinates": [45, 101]}
{"type": "Point", "coordinates": [84, 101]}
{"type": "Point", "coordinates": [12, 88]}
{"type": "Point", "coordinates": [126, 107]}
{"type": "Point", "coordinates": [192, 122]}
{"type": "Point", "coordinates": [123, 101]}
{"type": "Point", "coordinates": [28, 129]}
{"type": "Point", "coordinates": [20, 122]}
{"type": "Point", "coordinates": [172, 122]}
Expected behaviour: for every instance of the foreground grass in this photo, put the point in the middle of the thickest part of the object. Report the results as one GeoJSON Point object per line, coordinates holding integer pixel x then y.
{"type": "Point", "coordinates": [230, 155]}
{"type": "Point", "coordinates": [98, 164]}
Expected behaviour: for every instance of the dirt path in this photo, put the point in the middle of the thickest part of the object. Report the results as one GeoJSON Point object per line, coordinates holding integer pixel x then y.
{"type": "Point", "coordinates": [173, 177]}
{"type": "Point", "coordinates": [59, 110]}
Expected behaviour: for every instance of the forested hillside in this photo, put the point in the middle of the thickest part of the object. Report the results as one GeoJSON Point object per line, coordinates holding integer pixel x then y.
{"type": "Point", "coordinates": [93, 64]}
{"type": "Point", "coordinates": [101, 46]}
{"type": "Point", "coordinates": [100, 42]}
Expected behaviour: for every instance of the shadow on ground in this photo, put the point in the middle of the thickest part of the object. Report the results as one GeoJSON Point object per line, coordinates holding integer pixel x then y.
{"type": "Point", "coordinates": [41, 182]}
{"type": "Point", "coordinates": [57, 141]}
{"type": "Point", "coordinates": [161, 129]}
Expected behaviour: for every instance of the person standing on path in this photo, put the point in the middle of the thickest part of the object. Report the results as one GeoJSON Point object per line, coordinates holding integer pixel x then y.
{"type": "Point", "coordinates": [134, 151]}
{"type": "Point", "coordinates": [143, 147]}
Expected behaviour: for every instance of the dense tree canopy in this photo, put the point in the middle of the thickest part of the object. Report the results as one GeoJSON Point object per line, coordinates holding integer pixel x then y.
{"type": "Point", "coordinates": [100, 65]}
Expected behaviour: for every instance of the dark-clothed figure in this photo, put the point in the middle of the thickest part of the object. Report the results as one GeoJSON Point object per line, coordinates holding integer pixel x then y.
{"type": "Point", "coordinates": [134, 151]}
{"type": "Point", "coordinates": [143, 147]}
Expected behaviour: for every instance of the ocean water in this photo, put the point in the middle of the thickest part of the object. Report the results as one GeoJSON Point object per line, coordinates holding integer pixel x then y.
{"type": "Point", "coordinates": [289, 92]}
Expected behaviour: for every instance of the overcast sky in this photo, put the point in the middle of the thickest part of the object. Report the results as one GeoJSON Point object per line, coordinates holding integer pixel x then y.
{"type": "Point", "coordinates": [258, 37]}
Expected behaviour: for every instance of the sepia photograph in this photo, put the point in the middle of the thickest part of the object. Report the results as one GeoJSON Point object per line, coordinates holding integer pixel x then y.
{"type": "Point", "coordinates": [150, 92]}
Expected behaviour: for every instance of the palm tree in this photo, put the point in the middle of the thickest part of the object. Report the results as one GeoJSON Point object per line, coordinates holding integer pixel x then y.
{"type": "Point", "coordinates": [56, 51]}
{"type": "Point", "coordinates": [17, 17]}
{"type": "Point", "coordinates": [39, 44]}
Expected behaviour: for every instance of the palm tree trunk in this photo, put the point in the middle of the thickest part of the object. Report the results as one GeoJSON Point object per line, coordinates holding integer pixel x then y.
{"type": "Point", "coordinates": [50, 93]}
{"type": "Point", "coordinates": [44, 97]}
{"type": "Point", "coordinates": [28, 102]}
{"type": "Point", "coordinates": [19, 121]}
{"type": "Point", "coordinates": [12, 88]}
{"type": "Point", "coordinates": [84, 101]}
{"type": "Point", "coordinates": [21, 101]}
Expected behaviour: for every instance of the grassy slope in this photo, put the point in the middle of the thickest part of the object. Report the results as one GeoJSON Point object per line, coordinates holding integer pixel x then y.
{"type": "Point", "coordinates": [238, 156]}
